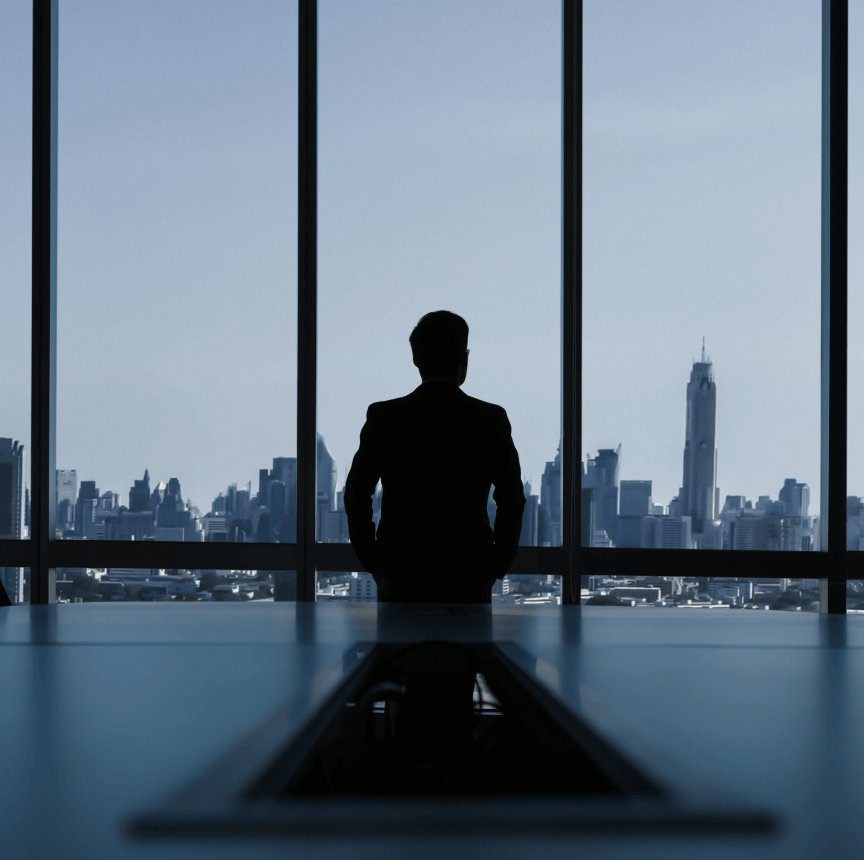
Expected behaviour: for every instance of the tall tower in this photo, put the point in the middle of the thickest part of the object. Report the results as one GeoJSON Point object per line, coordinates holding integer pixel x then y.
{"type": "Point", "coordinates": [139, 494]}
{"type": "Point", "coordinates": [67, 493]}
{"type": "Point", "coordinates": [606, 495]}
{"type": "Point", "coordinates": [12, 511]}
{"type": "Point", "coordinates": [327, 477]}
{"type": "Point", "coordinates": [549, 525]}
{"type": "Point", "coordinates": [698, 495]}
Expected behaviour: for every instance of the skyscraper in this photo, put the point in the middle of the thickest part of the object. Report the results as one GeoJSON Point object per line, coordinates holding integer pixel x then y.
{"type": "Point", "coordinates": [549, 519]}
{"type": "Point", "coordinates": [635, 503]}
{"type": "Point", "coordinates": [699, 496]}
{"type": "Point", "coordinates": [600, 474]}
{"type": "Point", "coordinates": [530, 518]}
{"type": "Point", "coordinates": [67, 493]}
{"type": "Point", "coordinates": [139, 494]}
{"type": "Point", "coordinates": [326, 491]}
{"type": "Point", "coordinates": [795, 497]}
{"type": "Point", "coordinates": [12, 511]}
{"type": "Point", "coordinates": [85, 508]}
{"type": "Point", "coordinates": [606, 497]}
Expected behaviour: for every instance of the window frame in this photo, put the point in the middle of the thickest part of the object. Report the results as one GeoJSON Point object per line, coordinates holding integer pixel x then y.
{"type": "Point", "coordinates": [43, 553]}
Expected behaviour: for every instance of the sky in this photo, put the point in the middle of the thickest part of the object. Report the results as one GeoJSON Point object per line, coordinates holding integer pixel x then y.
{"type": "Point", "coordinates": [439, 187]}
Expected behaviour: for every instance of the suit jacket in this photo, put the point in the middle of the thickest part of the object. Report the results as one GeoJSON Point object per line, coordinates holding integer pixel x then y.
{"type": "Point", "coordinates": [437, 452]}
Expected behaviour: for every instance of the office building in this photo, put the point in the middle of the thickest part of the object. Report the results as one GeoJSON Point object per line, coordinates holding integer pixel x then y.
{"type": "Point", "coordinates": [67, 493]}
{"type": "Point", "coordinates": [12, 511]}
{"type": "Point", "coordinates": [699, 493]}
{"type": "Point", "coordinates": [667, 532]}
{"type": "Point", "coordinates": [530, 518]}
{"type": "Point", "coordinates": [635, 503]}
{"type": "Point", "coordinates": [139, 494]}
{"type": "Point", "coordinates": [11, 490]}
{"type": "Point", "coordinates": [362, 588]}
{"type": "Point", "coordinates": [549, 516]}
{"type": "Point", "coordinates": [600, 474]}
{"type": "Point", "coordinates": [326, 489]}
{"type": "Point", "coordinates": [795, 497]}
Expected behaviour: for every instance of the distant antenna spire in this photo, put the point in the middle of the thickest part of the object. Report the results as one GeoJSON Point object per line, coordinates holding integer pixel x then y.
{"type": "Point", "coordinates": [703, 349]}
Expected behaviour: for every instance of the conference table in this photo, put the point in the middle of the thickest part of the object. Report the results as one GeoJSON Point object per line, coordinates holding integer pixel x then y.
{"type": "Point", "coordinates": [750, 723]}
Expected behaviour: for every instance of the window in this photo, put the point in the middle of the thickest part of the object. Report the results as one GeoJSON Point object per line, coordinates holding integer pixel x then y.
{"type": "Point", "coordinates": [439, 187]}
{"type": "Point", "coordinates": [177, 272]}
{"type": "Point", "coordinates": [701, 271]}
{"type": "Point", "coordinates": [15, 160]}
{"type": "Point", "coordinates": [435, 179]}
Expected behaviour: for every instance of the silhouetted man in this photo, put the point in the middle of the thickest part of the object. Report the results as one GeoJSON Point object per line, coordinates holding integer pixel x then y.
{"type": "Point", "coordinates": [437, 452]}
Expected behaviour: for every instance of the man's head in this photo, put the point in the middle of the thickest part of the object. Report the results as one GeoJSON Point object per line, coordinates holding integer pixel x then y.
{"type": "Point", "coordinates": [439, 343]}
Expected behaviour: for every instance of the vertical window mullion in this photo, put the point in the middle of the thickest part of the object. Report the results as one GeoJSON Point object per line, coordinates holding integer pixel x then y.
{"type": "Point", "coordinates": [571, 297]}
{"type": "Point", "coordinates": [307, 294]}
{"type": "Point", "coordinates": [44, 285]}
{"type": "Point", "coordinates": [835, 86]}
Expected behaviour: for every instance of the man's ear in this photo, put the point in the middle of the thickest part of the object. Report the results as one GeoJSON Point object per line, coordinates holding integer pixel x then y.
{"type": "Point", "coordinates": [463, 370]}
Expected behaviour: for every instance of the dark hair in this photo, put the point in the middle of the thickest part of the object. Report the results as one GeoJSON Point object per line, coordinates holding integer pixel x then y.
{"type": "Point", "coordinates": [439, 342]}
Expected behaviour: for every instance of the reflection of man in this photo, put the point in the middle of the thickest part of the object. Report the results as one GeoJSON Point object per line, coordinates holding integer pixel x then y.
{"type": "Point", "coordinates": [436, 451]}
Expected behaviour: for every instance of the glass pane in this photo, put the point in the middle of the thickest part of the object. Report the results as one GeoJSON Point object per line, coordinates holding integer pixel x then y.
{"type": "Point", "coordinates": [16, 582]}
{"type": "Point", "coordinates": [514, 589]}
{"type": "Point", "coordinates": [16, 63]}
{"type": "Point", "coordinates": [177, 271]}
{"type": "Point", "coordinates": [349, 587]}
{"type": "Point", "coordinates": [701, 349]}
{"type": "Point", "coordinates": [439, 188]}
{"type": "Point", "coordinates": [701, 592]}
{"type": "Point", "coordinates": [124, 585]}
{"type": "Point", "coordinates": [521, 589]}
{"type": "Point", "coordinates": [855, 597]}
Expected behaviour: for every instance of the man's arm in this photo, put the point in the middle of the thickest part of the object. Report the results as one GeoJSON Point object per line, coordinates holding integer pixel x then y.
{"type": "Point", "coordinates": [509, 498]}
{"type": "Point", "coordinates": [359, 487]}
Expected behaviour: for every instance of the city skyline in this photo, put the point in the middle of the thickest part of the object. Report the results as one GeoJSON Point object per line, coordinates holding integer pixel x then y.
{"type": "Point", "coordinates": [616, 511]}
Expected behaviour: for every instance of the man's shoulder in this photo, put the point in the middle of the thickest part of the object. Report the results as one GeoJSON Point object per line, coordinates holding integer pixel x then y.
{"type": "Point", "coordinates": [483, 407]}
{"type": "Point", "coordinates": [418, 400]}
{"type": "Point", "coordinates": [386, 407]}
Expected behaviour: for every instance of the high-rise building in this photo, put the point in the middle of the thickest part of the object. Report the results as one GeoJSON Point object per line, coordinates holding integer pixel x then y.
{"type": "Point", "coordinates": [636, 499]}
{"type": "Point", "coordinates": [549, 526]}
{"type": "Point", "coordinates": [635, 503]}
{"type": "Point", "coordinates": [282, 498]}
{"type": "Point", "coordinates": [273, 511]}
{"type": "Point", "coordinates": [67, 493]}
{"type": "Point", "coordinates": [11, 489]}
{"type": "Point", "coordinates": [600, 474]}
{"type": "Point", "coordinates": [85, 508]}
{"type": "Point", "coordinates": [606, 465]}
{"type": "Point", "coordinates": [12, 511]}
{"type": "Point", "coordinates": [795, 497]}
{"type": "Point", "coordinates": [336, 523]}
{"type": "Point", "coordinates": [139, 494]}
{"type": "Point", "coordinates": [157, 496]}
{"type": "Point", "coordinates": [530, 520]}
{"type": "Point", "coordinates": [326, 488]}
{"type": "Point", "coordinates": [667, 533]}
{"type": "Point", "coordinates": [699, 498]}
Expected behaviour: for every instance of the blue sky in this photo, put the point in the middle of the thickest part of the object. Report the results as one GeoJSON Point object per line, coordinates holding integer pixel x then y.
{"type": "Point", "coordinates": [439, 187]}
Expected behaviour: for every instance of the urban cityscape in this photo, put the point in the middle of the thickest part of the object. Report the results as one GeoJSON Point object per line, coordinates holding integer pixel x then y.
{"type": "Point", "coordinates": [615, 513]}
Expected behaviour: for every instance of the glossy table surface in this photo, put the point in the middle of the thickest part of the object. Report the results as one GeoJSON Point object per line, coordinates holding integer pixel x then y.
{"type": "Point", "coordinates": [105, 710]}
